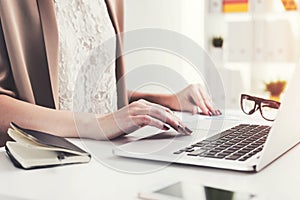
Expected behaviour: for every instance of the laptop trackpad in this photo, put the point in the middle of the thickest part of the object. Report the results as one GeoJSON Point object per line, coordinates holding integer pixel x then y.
{"type": "Point", "coordinates": [169, 140]}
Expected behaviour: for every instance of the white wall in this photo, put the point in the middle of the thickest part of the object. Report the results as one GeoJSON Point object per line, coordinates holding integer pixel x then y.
{"type": "Point", "coordinates": [183, 16]}
{"type": "Point", "coordinates": [153, 13]}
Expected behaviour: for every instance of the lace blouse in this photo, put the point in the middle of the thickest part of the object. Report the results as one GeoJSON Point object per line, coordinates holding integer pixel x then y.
{"type": "Point", "coordinates": [86, 75]}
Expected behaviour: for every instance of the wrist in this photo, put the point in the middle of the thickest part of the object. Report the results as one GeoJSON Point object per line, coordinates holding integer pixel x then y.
{"type": "Point", "coordinates": [171, 101]}
{"type": "Point", "coordinates": [86, 125]}
{"type": "Point", "coordinates": [109, 127]}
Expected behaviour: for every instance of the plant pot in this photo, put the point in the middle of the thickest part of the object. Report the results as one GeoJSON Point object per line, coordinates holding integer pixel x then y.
{"type": "Point", "coordinates": [217, 42]}
{"type": "Point", "coordinates": [275, 97]}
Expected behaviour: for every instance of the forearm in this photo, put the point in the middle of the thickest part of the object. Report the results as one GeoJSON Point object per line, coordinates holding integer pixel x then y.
{"type": "Point", "coordinates": [31, 116]}
{"type": "Point", "coordinates": [166, 100]}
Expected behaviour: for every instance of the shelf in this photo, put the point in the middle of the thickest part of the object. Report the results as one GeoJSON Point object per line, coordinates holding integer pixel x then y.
{"type": "Point", "coordinates": [254, 15]}
{"type": "Point", "coordinates": [264, 43]}
{"type": "Point", "coordinates": [257, 8]}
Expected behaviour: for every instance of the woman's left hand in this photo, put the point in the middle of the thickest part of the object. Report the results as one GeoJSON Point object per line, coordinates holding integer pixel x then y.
{"type": "Point", "coordinates": [192, 98]}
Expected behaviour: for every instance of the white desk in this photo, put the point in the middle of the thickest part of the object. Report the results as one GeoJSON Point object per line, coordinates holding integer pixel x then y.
{"type": "Point", "coordinates": [280, 180]}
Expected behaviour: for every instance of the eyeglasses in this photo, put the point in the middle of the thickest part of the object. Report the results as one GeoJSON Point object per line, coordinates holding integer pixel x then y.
{"type": "Point", "coordinates": [268, 108]}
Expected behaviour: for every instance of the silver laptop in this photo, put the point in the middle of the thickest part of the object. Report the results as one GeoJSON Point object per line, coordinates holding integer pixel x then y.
{"type": "Point", "coordinates": [243, 147]}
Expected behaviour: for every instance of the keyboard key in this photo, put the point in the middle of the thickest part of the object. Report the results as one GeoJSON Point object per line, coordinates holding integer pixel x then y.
{"type": "Point", "coordinates": [236, 140]}
{"type": "Point", "coordinates": [222, 155]}
{"type": "Point", "coordinates": [219, 156]}
{"type": "Point", "coordinates": [233, 157]}
{"type": "Point", "coordinates": [243, 158]}
{"type": "Point", "coordinates": [222, 147]}
{"type": "Point", "coordinates": [244, 143]}
{"type": "Point", "coordinates": [211, 145]}
{"type": "Point", "coordinates": [228, 152]}
{"type": "Point", "coordinates": [235, 147]}
{"type": "Point", "coordinates": [215, 151]}
{"type": "Point", "coordinates": [249, 148]}
{"type": "Point", "coordinates": [214, 143]}
{"type": "Point", "coordinates": [247, 156]}
{"type": "Point", "coordinates": [198, 145]}
{"type": "Point", "coordinates": [207, 154]}
{"type": "Point", "coordinates": [251, 154]}
{"type": "Point", "coordinates": [178, 152]}
{"type": "Point", "coordinates": [196, 152]}
{"type": "Point", "coordinates": [258, 149]}
{"type": "Point", "coordinates": [219, 148]}
{"type": "Point", "coordinates": [230, 143]}
{"type": "Point", "coordinates": [206, 148]}
{"type": "Point", "coordinates": [242, 152]}
{"type": "Point", "coordinates": [251, 139]}
{"type": "Point", "coordinates": [189, 150]}
{"type": "Point", "coordinates": [213, 138]}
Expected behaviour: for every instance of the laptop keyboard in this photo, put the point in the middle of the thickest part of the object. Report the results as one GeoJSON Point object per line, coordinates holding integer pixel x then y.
{"type": "Point", "coordinates": [238, 143]}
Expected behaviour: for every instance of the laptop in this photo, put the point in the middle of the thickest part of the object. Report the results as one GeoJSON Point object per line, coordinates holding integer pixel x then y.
{"type": "Point", "coordinates": [243, 147]}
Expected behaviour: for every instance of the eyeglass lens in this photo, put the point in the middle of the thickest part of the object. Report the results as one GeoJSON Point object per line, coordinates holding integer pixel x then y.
{"type": "Point", "coordinates": [268, 111]}
{"type": "Point", "coordinates": [248, 106]}
{"type": "Point", "coordinates": [267, 108]}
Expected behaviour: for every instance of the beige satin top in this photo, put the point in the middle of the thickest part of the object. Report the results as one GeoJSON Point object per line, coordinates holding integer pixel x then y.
{"type": "Point", "coordinates": [29, 51]}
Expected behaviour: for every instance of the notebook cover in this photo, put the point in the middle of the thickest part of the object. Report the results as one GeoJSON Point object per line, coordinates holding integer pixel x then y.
{"type": "Point", "coordinates": [12, 158]}
{"type": "Point", "coordinates": [48, 139]}
{"type": "Point", "coordinates": [18, 165]}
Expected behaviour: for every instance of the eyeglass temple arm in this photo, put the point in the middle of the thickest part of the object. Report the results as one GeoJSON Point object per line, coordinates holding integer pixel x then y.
{"type": "Point", "coordinates": [253, 110]}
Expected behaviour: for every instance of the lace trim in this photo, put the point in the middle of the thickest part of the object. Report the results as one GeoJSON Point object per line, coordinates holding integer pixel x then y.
{"type": "Point", "coordinates": [86, 80]}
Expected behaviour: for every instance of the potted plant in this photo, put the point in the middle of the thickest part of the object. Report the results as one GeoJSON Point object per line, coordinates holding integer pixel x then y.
{"type": "Point", "coordinates": [217, 42]}
{"type": "Point", "coordinates": [275, 88]}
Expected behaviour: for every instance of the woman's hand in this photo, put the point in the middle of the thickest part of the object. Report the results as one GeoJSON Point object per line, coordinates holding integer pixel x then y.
{"type": "Point", "coordinates": [191, 99]}
{"type": "Point", "coordinates": [137, 115]}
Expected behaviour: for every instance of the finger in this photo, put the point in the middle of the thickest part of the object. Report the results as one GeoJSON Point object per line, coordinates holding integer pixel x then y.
{"type": "Point", "coordinates": [160, 112]}
{"type": "Point", "coordinates": [195, 110]}
{"type": "Point", "coordinates": [197, 98]}
{"type": "Point", "coordinates": [159, 106]}
{"type": "Point", "coordinates": [146, 120]}
{"type": "Point", "coordinates": [173, 115]}
{"type": "Point", "coordinates": [206, 98]}
{"type": "Point", "coordinates": [219, 112]}
{"type": "Point", "coordinates": [164, 117]}
{"type": "Point", "coordinates": [207, 101]}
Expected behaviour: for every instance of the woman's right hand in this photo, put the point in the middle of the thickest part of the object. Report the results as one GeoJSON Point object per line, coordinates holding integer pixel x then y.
{"type": "Point", "coordinates": [137, 115]}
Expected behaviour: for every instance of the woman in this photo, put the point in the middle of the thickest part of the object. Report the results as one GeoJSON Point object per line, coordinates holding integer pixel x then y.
{"type": "Point", "coordinates": [43, 41]}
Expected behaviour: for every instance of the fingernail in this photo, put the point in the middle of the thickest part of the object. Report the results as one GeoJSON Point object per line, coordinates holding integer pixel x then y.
{"type": "Point", "coordinates": [165, 127]}
{"type": "Point", "coordinates": [188, 130]}
{"type": "Point", "coordinates": [180, 129]}
{"type": "Point", "coordinates": [210, 113]}
{"type": "Point", "coordinates": [183, 130]}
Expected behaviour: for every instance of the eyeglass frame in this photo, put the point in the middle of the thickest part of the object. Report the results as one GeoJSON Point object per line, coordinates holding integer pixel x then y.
{"type": "Point", "coordinates": [258, 102]}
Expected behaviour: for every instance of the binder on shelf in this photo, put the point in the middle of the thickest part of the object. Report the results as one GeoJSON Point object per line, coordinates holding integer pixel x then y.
{"type": "Point", "coordinates": [235, 6]}
{"type": "Point", "coordinates": [216, 6]}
